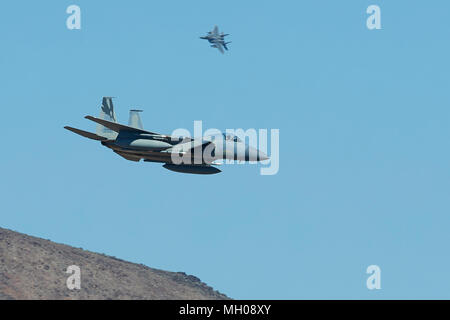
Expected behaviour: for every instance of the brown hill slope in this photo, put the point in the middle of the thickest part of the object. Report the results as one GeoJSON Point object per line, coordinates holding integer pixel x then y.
{"type": "Point", "coordinates": [33, 268]}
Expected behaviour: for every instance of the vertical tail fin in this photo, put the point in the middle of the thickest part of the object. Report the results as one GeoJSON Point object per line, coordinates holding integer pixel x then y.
{"type": "Point", "coordinates": [135, 119]}
{"type": "Point", "coordinates": [107, 113]}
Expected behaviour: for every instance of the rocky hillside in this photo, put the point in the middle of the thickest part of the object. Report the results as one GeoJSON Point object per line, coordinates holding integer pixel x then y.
{"type": "Point", "coordinates": [33, 268]}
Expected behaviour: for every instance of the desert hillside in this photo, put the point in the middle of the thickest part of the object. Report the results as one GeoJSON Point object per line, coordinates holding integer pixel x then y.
{"type": "Point", "coordinates": [34, 268]}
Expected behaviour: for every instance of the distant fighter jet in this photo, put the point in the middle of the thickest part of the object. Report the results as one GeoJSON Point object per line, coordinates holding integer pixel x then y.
{"type": "Point", "coordinates": [217, 40]}
{"type": "Point", "coordinates": [134, 143]}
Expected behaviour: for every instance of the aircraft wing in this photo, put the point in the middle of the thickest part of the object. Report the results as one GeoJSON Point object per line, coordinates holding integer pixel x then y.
{"type": "Point", "coordinates": [219, 46]}
{"type": "Point", "coordinates": [128, 156]}
{"type": "Point", "coordinates": [189, 146]}
{"type": "Point", "coordinates": [117, 127]}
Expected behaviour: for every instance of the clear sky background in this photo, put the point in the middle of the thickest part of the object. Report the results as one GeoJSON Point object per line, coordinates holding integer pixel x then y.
{"type": "Point", "coordinates": [364, 140]}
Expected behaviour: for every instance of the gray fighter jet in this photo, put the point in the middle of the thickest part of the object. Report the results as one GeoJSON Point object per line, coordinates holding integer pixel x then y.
{"type": "Point", "coordinates": [180, 154]}
{"type": "Point", "coordinates": [217, 39]}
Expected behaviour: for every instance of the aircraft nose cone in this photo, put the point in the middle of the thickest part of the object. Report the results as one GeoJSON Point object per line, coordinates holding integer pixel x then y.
{"type": "Point", "coordinates": [255, 155]}
{"type": "Point", "coordinates": [262, 156]}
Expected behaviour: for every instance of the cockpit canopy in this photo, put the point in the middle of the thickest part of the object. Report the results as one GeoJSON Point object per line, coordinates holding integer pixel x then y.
{"type": "Point", "coordinates": [223, 136]}
{"type": "Point", "coordinates": [230, 137]}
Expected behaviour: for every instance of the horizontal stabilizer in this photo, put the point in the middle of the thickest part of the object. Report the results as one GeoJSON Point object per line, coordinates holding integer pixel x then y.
{"type": "Point", "coordinates": [117, 127]}
{"type": "Point", "coordinates": [86, 134]}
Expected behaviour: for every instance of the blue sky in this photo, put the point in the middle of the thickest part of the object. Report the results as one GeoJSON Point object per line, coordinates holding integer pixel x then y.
{"type": "Point", "coordinates": [364, 140]}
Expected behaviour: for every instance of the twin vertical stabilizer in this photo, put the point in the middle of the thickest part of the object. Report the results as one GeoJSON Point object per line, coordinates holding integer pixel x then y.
{"type": "Point", "coordinates": [107, 113]}
{"type": "Point", "coordinates": [107, 126]}
{"type": "Point", "coordinates": [135, 119]}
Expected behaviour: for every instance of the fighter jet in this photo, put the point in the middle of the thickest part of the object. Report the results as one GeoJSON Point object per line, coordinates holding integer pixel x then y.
{"type": "Point", "coordinates": [217, 39]}
{"type": "Point", "coordinates": [179, 154]}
